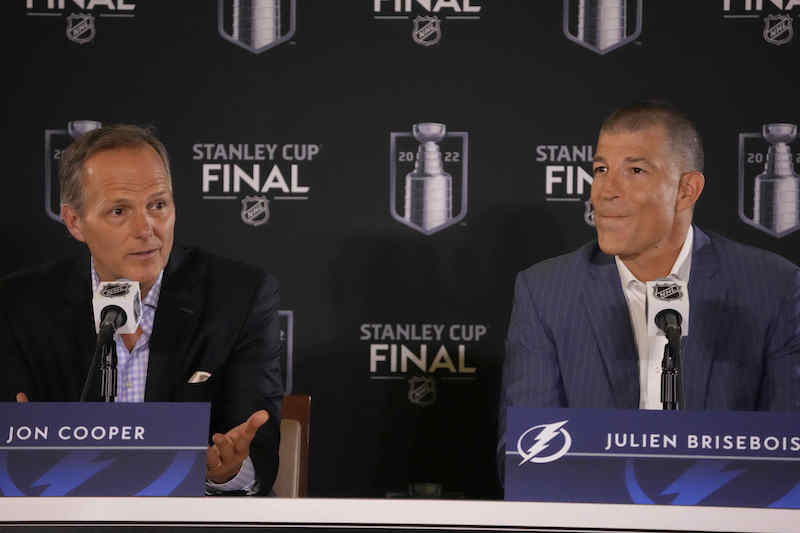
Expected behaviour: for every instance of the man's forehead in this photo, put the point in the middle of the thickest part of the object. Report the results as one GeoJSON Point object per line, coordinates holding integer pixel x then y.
{"type": "Point", "coordinates": [632, 143]}
{"type": "Point", "coordinates": [127, 170]}
{"type": "Point", "coordinates": [137, 151]}
{"type": "Point", "coordinates": [639, 132]}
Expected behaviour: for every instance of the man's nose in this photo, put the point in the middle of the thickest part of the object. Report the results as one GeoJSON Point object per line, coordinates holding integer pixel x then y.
{"type": "Point", "coordinates": [610, 186]}
{"type": "Point", "coordinates": [143, 225]}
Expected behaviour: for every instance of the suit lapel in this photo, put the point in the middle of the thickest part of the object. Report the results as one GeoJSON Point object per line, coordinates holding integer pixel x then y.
{"type": "Point", "coordinates": [707, 295]}
{"type": "Point", "coordinates": [610, 320]}
{"type": "Point", "coordinates": [177, 315]}
{"type": "Point", "coordinates": [77, 321]}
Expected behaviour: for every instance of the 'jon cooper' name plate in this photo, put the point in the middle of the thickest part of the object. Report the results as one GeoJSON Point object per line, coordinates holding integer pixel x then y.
{"type": "Point", "coordinates": [100, 449]}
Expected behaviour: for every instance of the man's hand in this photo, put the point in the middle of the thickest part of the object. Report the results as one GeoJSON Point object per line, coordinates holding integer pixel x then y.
{"type": "Point", "coordinates": [22, 397]}
{"type": "Point", "coordinates": [226, 455]}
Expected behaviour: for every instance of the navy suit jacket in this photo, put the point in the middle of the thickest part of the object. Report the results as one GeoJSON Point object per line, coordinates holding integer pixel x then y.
{"type": "Point", "coordinates": [213, 314]}
{"type": "Point", "coordinates": [570, 341]}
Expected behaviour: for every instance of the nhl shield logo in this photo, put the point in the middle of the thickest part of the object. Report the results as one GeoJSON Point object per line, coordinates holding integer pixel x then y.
{"type": "Point", "coordinates": [667, 291]}
{"type": "Point", "coordinates": [427, 31]}
{"type": "Point", "coordinates": [256, 25]}
{"type": "Point", "coordinates": [602, 25]}
{"type": "Point", "coordinates": [428, 177]}
{"type": "Point", "coordinates": [422, 390]}
{"type": "Point", "coordinates": [55, 141]}
{"type": "Point", "coordinates": [778, 29]}
{"type": "Point", "coordinates": [255, 210]}
{"type": "Point", "coordinates": [80, 28]}
{"type": "Point", "coordinates": [769, 186]}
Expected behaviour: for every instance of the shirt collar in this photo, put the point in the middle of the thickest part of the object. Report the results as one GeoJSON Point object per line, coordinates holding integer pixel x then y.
{"type": "Point", "coordinates": [680, 270]}
{"type": "Point", "coordinates": [152, 297]}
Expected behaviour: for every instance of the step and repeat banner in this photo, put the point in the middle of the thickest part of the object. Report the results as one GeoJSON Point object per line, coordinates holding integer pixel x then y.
{"type": "Point", "coordinates": [395, 163]}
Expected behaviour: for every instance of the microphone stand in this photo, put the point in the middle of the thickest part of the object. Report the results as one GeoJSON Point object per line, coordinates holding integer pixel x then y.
{"type": "Point", "coordinates": [671, 377]}
{"type": "Point", "coordinates": [108, 370]}
{"type": "Point", "coordinates": [105, 362]}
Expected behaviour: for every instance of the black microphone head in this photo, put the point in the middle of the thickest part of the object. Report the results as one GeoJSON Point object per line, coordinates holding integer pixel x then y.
{"type": "Point", "coordinates": [668, 317]}
{"type": "Point", "coordinates": [115, 314]}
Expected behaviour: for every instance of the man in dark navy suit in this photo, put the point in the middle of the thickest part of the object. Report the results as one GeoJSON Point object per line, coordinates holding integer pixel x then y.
{"type": "Point", "coordinates": [209, 329]}
{"type": "Point", "coordinates": [578, 334]}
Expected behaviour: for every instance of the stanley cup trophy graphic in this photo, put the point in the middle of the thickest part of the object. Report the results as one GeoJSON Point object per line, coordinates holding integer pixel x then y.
{"type": "Point", "coordinates": [256, 25]}
{"type": "Point", "coordinates": [428, 168]}
{"type": "Point", "coordinates": [55, 141]}
{"type": "Point", "coordinates": [428, 188]}
{"type": "Point", "coordinates": [602, 25]}
{"type": "Point", "coordinates": [76, 128]}
{"type": "Point", "coordinates": [256, 22]}
{"type": "Point", "coordinates": [776, 198]}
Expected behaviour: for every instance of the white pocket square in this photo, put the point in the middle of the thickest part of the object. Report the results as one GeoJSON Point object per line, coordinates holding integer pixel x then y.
{"type": "Point", "coordinates": [199, 377]}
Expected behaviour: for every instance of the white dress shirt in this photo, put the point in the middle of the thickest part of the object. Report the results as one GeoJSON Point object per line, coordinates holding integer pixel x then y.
{"type": "Point", "coordinates": [651, 350]}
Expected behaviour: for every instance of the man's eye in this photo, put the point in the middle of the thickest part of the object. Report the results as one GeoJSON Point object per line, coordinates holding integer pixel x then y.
{"type": "Point", "coordinates": [117, 211]}
{"type": "Point", "coordinates": [637, 170]}
{"type": "Point", "coordinates": [599, 170]}
{"type": "Point", "coordinates": [160, 204]}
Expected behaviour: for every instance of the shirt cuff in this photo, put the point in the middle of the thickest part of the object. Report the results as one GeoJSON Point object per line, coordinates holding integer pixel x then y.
{"type": "Point", "coordinates": [244, 481]}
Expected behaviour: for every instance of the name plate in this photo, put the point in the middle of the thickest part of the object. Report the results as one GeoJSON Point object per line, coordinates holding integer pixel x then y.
{"type": "Point", "coordinates": [103, 449]}
{"type": "Point", "coordinates": [721, 458]}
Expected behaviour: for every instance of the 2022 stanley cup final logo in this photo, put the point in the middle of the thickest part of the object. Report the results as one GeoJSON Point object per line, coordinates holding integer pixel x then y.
{"type": "Point", "coordinates": [428, 358]}
{"type": "Point", "coordinates": [777, 17]}
{"type": "Point", "coordinates": [428, 177]}
{"type": "Point", "coordinates": [81, 17]}
{"type": "Point", "coordinates": [256, 25]}
{"type": "Point", "coordinates": [55, 142]}
{"type": "Point", "coordinates": [566, 176]}
{"type": "Point", "coordinates": [255, 177]}
{"type": "Point", "coordinates": [602, 25]}
{"type": "Point", "coordinates": [427, 16]}
{"type": "Point", "coordinates": [769, 186]}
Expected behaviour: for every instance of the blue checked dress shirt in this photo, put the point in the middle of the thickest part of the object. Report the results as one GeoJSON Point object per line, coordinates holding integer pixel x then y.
{"type": "Point", "coordinates": [132, 375]}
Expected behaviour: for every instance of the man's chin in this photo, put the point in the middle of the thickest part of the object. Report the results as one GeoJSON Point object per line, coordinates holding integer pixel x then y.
{"type": "Point", "coordinates": [143, 276]}
{"type": "Point", "coordinates": [610, 246]}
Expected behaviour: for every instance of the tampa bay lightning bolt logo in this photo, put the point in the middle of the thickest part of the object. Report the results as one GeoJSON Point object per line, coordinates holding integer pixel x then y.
{"type": "Point", "coordinates": [698, 482]}
{"type": "Point", "coordinates": [532, 442]}
{"type": "Point", "coordinates": [74, 469]}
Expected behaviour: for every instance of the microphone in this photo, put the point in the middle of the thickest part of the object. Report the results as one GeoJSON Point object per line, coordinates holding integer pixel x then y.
{"type": "Point", "coordinates": [117, 307]}
{"type": "Point", "coordinates": [667, 308]}
{"type": "Point", "coordinates": [112, 318]}
{"type": "Point", "coordinates": [667, 302]}
{"type": "Point", "coordinates": [669, 321]}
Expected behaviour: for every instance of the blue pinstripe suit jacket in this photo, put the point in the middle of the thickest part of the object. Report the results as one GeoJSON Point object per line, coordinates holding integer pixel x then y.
{"type": "Point", "coordinates": [570, 342]}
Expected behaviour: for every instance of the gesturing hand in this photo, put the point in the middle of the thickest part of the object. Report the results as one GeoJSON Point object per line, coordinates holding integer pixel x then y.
{"type": "Point", "coordinates": [226, 455]}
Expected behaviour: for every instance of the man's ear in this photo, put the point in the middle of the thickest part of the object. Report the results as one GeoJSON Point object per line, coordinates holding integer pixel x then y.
{"type": "Point", "coordinates": [72, 221]}
{"type": "Point", "coordinates": [689, 188]}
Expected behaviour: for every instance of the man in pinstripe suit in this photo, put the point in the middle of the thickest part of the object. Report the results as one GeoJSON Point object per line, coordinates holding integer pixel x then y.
{"type": "Point", "coordinates": [578, 336]}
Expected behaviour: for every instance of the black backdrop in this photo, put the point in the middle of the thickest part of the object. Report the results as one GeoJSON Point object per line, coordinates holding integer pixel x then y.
{"type": "Point", "coordinates": [520, 102]}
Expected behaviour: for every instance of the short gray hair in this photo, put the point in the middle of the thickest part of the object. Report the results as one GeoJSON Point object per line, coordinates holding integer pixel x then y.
{"type": "Point", "coordinates": [681, 131]}
{"type": "Point", "coordinates": [105, 138]}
